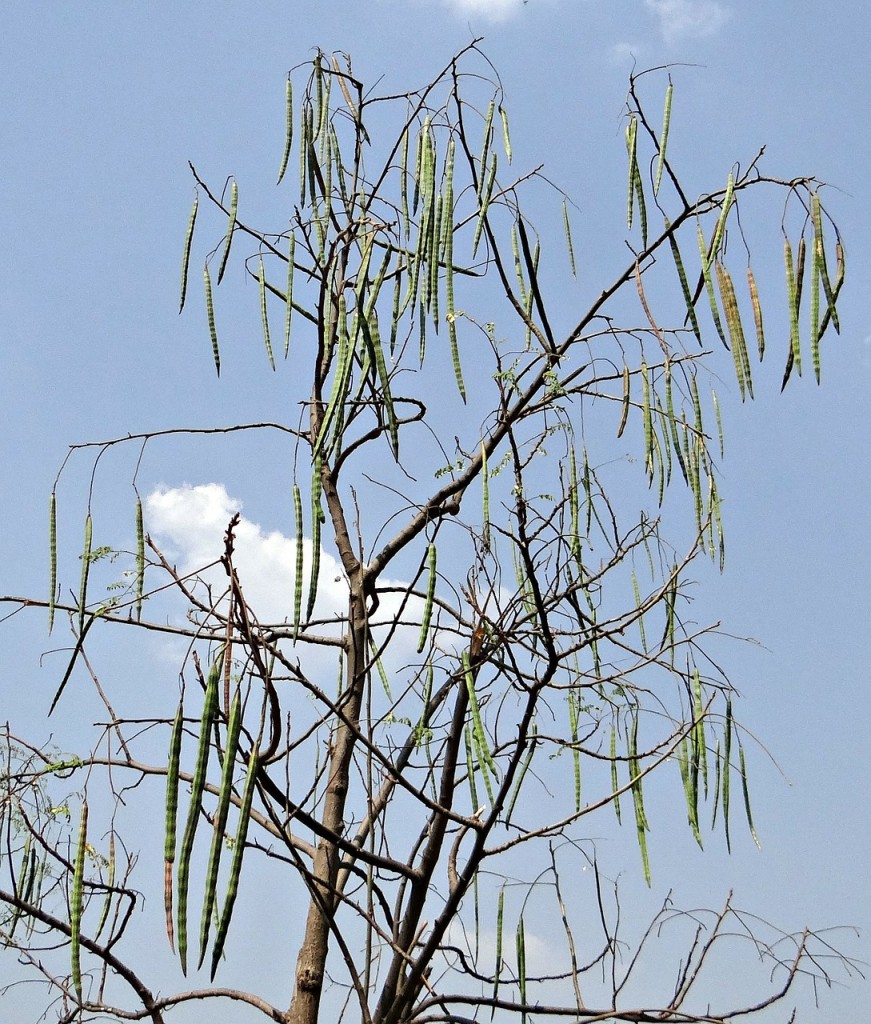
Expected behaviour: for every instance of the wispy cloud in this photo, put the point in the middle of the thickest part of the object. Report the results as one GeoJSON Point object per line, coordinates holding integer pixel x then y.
{"type": "Point", "coordinates": [492, 10]}
{"type": "Point", "coordinates": [623, 54]}
{"type": "Point", "coordinates": [679, 19]}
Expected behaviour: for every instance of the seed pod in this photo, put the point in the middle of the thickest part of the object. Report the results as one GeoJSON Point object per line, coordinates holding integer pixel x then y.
{"type": "Point", "coordinates": [234, 728]}
{"type": "Point", "coordinates": [736, 330]}
{"type": "Point", "coordinates": [288, 132]}
{"type": "Point", "coordinates": [721, 222]}
{"type": "Point", "coordinates": [672, 422]}
{"type": "Point", "coordinates": [86, 568]}
{"type": "Point", "coordinates": [497, 969]}
{"type": "Point", "coordinates": [485, 148]}
{"type": "Point", "coordinates": [635, 774]}
{"type": "Point", "coordinates": [317, 515]}
{"type": "Point", "coordinates": [642, 205]}
{"type": "Point", "coordinates": [485, 202]}
{"type": "Point", "coordinates": [403, 185]}
{"type": "Point", "coordinates": [171, 817]}
{"type": "Point", "coordinates": [231, 227]}
{"type": "Point", "coordinates": [631, 135]}
{"type": "Point", "coordinates": [210, 316]}
{"type": "Point", "coordinates": [727, 753]}
{"type": "Point", "coordinates": [288, 310]}
{"type": "Point", "coordinates": [815, 310]}
{"type": "Point", "coordinates": [746, 790]}
{"type": "Point", "coordinates": [477, 723]}
{"type": "Point", "coordinates": [624, 413]}
{"type": "Point", "coordinates": [663, 138]}
{"type": "Point", "coordinates": [820, 248]}
{"type": "Point", "coordinates": [684, 284]}
{"type": "Point", "coordinates": [297, 585]}
{"type": "Point", "coordinates": [210, 709]}
{"type": "Point", "coordinates": [615, 782]}
{"type": "Point", "coordinates": [305, 124]}
{"type": "Point", "coordinates": [574, 510]}
{"type": "Point", "coordinates": [520, 945]}
{"type": "Point", "coordinates": [110, 882]}
{"type": "Point", "coordinates": [757, 313]}
{"type": "Point", "coordinates": [709, 285]}
{"type": "Point", "coordinates": [77, 902]}
{"type": "Point", "coordinates": [518, 785]}
{"type": "Point", "coordinates": [186, 255]}
{"type": "Point", "coordinates": [52, 555]}
{"type": "Point", "coordinates": [568, 230]}
{"type": "Point", "coordinates": [506, 135]}
{"type": "Point", "coordinates": [793, 290]}
{"type": "Point", "coordinates": [485, 498]}
{"type": "Point", "coordinates": [236, 863]}
{"type": "Point", "coordinates": [430, 594]}
{"type": "Point", "coordinates": [647, 421]}
{"type": "Point", "coordinates": [264, 315]}
{"type": "Point", "coordinates": [140, 557]}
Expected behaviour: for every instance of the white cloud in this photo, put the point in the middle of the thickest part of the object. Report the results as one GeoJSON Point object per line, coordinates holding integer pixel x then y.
{"type": "Point", "coordinates": [188, 524]}
{"type": "Point", "coordinates": [681, 18]}
{"type": "Point", "coordinates": [542, 954]}
{"type": "Point", "coordinates": [190, 521]}
{"type": "Point", "coordinates": [624, 54]}
{"type": "Point", "coordinates": [494, 10]}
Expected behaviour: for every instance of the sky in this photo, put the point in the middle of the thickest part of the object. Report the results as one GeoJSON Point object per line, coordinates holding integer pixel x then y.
{"type": "Point", "coordinates": [103, 105]}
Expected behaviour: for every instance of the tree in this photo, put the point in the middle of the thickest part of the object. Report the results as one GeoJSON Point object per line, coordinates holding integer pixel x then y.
{"type": "Point", "coordinates": [509, 645]}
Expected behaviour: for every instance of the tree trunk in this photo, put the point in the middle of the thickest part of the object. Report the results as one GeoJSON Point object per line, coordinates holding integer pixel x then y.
{"type": "Point", "coordinates": [312, 957]}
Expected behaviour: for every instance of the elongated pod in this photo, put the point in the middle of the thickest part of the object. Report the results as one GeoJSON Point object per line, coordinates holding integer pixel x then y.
{"type": "Point", "coordinates": [52, 556]}
{"type": "Point", "coordinates": [140, 557]}
{"type": "Point", "coordinates": [77, 901]}
{"type": "Point", "coordinates": [86, 568]}
{"type": "Point", "coordinates": [234, 728]}
{"type": "Point", "coordinates": [186, 255]}
{"type": "Point", "coordinates": [430, 594]}
{"type": "Point", "coordinates": [663, 138]}
{"type": "Point", "coordinates": [288, 130]}
{"type": "Point", "coordinates": [210, 709]}
{"type": "Point", "coordinates": [171, 817]}
{"type": "Point", "coordinates": [231, 227]}
{"type": "Point", "coordinates": [210, 317]}
{"type": "Point", "coordinates": [236, 863]}
{"type": "Point", "coordinates": [264, 313]}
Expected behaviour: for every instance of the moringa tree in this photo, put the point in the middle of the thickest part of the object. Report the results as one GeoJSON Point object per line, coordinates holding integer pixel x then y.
{"type": "Point", "coordinates": [485, 644]}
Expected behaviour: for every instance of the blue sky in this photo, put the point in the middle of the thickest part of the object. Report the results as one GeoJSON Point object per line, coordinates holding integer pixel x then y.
{"type": "Point", "coordinates": [102, 106]}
